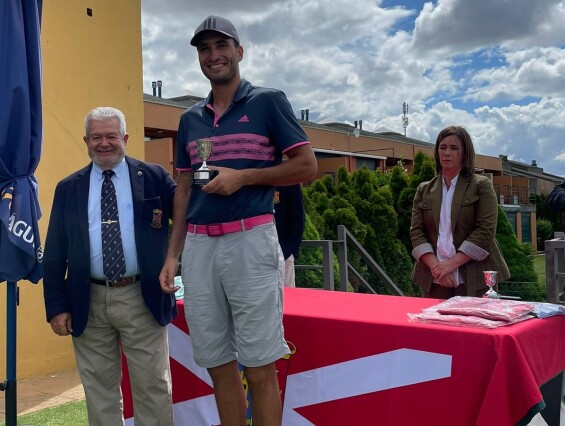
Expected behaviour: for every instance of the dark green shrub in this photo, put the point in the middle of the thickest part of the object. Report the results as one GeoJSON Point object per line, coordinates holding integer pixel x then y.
{"type": "Point", "coordinates": [544, 230]}
{"type": "Point", "coordinates": [363, 202]}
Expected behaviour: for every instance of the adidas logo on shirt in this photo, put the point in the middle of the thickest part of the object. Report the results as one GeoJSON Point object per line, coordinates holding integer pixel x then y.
{"type": "Point", "coordinates": [243, 119]}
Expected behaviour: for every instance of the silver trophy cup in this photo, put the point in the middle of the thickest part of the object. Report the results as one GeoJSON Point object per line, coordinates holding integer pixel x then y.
{"type": "Point", "coordinates": [490, 280]}
{"type": "Point", "coordinates": [203, 174]}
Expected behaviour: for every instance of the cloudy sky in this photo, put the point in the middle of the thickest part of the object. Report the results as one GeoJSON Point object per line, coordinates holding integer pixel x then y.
{"type": "Point", "coordinates": [496, 67]}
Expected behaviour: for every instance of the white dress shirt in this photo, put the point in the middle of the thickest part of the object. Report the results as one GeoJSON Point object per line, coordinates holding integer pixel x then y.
{"type": "Point", "coordinates": [445, 247]}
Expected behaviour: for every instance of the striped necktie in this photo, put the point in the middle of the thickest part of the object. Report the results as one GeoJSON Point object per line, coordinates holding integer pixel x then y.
{"type": "Point", "coordinates": [112, 249]}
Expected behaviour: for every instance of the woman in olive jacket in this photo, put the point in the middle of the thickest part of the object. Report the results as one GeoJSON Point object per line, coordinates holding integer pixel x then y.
{"type": "Point", "coordinates": [453, 225]}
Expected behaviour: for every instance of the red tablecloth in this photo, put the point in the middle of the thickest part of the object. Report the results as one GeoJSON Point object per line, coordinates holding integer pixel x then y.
{"type": "Point", "coordinates": [360, 361]}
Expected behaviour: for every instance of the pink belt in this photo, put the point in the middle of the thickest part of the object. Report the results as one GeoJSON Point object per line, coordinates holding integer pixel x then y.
{"type": "Point", "coordinates": [217, 229]}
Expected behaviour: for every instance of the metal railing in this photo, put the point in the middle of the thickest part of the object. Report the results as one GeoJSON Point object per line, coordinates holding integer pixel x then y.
{"type": "Point", "coordinates": [555, 268]}
{"type": "Point", "coordinates": [345, 242]}
{"type": "Point", "coordinates": [327, 261]}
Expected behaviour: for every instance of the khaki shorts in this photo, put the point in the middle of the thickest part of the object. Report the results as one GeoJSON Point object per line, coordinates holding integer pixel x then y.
{"type": "Point", "coordinates": [233, 297]}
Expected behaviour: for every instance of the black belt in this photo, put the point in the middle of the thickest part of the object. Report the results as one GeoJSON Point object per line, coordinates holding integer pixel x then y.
{"type": "Point", "coordinates": [122, 282]}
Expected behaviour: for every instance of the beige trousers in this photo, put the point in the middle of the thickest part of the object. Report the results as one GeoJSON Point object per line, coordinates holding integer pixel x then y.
{"type": "Point", "coordinates": [120, 316]}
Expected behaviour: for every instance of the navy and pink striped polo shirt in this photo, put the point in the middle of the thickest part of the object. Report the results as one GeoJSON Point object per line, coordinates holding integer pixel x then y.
{"type": "Point", "coordinates": [254, 132]}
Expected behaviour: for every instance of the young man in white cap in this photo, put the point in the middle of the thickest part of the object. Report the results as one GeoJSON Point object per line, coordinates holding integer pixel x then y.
{"type": "Point", "coordinates": [233, 267]}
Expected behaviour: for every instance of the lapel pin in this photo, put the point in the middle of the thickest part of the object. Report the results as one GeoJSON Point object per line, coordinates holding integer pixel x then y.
{"type": "Point", "coordinates": [139, 173]}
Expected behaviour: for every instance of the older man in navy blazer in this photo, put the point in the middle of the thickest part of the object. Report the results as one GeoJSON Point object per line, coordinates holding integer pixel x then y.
{"type": "Point", "coordinates": [127, 309]}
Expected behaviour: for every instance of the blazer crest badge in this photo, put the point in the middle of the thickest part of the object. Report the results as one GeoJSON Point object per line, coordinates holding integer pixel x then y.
{"type": "Point", "coordinates": [157, 220]}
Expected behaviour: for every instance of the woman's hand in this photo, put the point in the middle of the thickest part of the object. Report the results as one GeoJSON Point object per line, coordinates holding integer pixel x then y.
{"type": "Point", "coordinates": [447, 281]}
{"type": "Point", "coordinates": [443, 269]}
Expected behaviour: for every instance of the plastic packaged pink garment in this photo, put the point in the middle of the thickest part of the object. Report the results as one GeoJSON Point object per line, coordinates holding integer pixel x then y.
{"type": "Point", "coordinates": [474, 311]}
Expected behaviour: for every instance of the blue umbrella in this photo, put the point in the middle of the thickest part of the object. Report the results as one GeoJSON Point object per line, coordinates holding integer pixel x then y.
{"type": "Point", "coordinates": [21, 139]}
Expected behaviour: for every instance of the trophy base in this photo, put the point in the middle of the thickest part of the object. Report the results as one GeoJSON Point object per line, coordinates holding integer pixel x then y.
{"type": "Point", "coordinates": [491, 294]}
{"type": "Point", "coordinates": [203, 177]}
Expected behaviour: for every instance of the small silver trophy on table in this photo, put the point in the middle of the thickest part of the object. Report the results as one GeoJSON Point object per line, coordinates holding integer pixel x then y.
{"type": "Point", "coordinates": [203, 175]}
{"type": "Point", "coordinates": [490, 280]}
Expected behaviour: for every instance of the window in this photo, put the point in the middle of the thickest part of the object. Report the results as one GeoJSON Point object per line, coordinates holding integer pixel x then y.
{"type": "Point", "coordinates": [526, 228]}
{"type": "Point", "coordinates": [370, 163]}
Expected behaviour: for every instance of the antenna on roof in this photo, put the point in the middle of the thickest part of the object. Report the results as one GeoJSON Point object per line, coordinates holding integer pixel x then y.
{"type": "Point", "coordinates": [404, 116]}
{"type": "Point", "coordinates": [357, 130]}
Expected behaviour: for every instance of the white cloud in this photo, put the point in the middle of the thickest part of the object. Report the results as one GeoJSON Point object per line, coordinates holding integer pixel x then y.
{"type": "Point", "coordinates": [458, 26]}
{"type": "Point", "coordinates": [536, 72]}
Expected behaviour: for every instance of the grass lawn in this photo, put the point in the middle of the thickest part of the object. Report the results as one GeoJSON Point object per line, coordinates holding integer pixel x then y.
{"type": "Point", "coordinates": [539, 266]}
{"type": "Point", "coordinates": [71, 414]}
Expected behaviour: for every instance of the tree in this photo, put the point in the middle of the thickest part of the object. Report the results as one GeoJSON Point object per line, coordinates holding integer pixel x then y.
{"type": "Point", "coordinates": [422, 171]}
{"type": "Point", "coordinates": [398, 182]}
{"type": "Point", "coordinates": [362, 201]}
{"type": "Point", "coordinates": [309, 256]}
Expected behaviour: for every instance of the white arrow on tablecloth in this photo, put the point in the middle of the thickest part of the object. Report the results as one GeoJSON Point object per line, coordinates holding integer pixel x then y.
{"type": "Point", "coordinates": [201, 410]}
{"type": "Point", "coordinates": [180, 349]}
{"type": "Point", "coordinates": [360, 376]}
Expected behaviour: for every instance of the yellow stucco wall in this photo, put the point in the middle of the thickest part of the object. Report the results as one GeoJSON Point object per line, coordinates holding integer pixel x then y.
{"type": "Point", "coordinates": [88, 61]}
